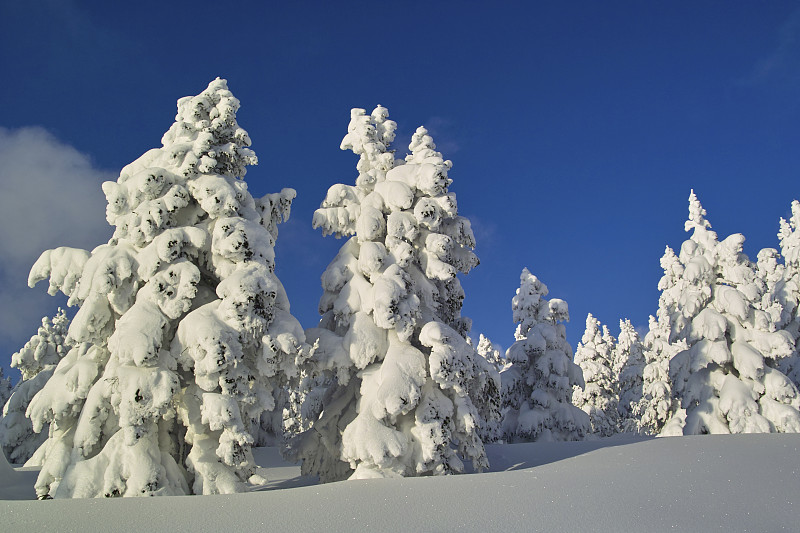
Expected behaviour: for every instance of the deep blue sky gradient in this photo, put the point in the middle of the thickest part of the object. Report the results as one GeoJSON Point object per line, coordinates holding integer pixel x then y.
{"type": "Point", "coordinates": [576, 129]}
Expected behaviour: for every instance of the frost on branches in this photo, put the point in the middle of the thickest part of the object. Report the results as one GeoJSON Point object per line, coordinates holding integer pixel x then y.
{"type": "Point", "coordinates": [599, 398]}
{"type": "Point", "coordinates": [628, 366]}
{"type": "Point", "coordinates": [36, 361]}
{"type": "Point", "coordinates": [402, 382]}
{"type": "Point", "coordinates": [183, 335]}
{"type": "Point", "coordinates": [727, 378]}
{"type": "Point", "coordinates": [537, 384]}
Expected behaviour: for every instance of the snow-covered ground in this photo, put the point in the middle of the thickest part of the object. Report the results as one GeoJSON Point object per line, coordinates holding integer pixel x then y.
{"type": "Point", "coordinates": [704, 483]}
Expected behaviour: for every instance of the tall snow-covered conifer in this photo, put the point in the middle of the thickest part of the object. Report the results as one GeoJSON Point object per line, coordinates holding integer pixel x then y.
{"type": "Point", "coordinates": [403, 382]}
{"type": "Point", "coordinates": [36, 361]}
{"type": "Point", "coordinates": [537, 384]}
{"type": "Point", "coordinates": [728, 378]}
{"type": "Point", "coordinates": [183, 333]}
{"type": "Point", "coordinates": [599, 397]}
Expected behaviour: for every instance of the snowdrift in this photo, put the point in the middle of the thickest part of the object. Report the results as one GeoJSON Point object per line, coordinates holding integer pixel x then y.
{"type": "Point", "coordinates": [704, 483]}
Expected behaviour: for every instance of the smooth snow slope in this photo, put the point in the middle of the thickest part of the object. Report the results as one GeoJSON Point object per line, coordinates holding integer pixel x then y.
{"type": "Point", "coordinates": [704, 483]}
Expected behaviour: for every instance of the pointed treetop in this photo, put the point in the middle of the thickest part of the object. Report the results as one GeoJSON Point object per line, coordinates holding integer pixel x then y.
{"type": "Point", "coordinates": [607, 337]}
{"type": "Point", "coordinates": [669, 258]}
{"type": "Point", "coordinates": [696, 214]}
{"type": "Point", "coordinates": [699, 226]}
{"type": "Point", "coordinates": [592, 330]}
{"type": "Point", "coordinates": [790, 238]}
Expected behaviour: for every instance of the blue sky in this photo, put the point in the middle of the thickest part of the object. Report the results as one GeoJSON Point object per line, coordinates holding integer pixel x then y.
{"type": "Point", "coordinates": [576, 129]}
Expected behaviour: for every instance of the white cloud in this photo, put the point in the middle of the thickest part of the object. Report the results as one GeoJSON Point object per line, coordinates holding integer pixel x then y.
{"type": "Point", "coordinates": [50, 196]}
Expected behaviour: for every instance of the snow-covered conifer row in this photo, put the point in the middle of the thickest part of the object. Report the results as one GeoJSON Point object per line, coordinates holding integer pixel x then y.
{"type": "Point", "coordinates": [183, 353]}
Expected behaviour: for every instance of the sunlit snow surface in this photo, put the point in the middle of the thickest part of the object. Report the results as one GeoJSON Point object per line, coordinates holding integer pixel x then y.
{"type": "Point", "coordinates": [703, 483]}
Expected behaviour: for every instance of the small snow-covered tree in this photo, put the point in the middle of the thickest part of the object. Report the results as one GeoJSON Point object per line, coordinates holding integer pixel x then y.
{"type": "Point", "coordinates": [770, 276]}
{"type": "Point", "coordinates": [628, 366]}
{"type": "Point", "coordinates": [727, 379]}
{"type": "Point", "coordinates": [537, 384]}
{"type": "Point", "coordinates": [36, 361]}
{"type": "Point", "coordinates": [489, 406]}
{"type": "Point", "coordinates": [404, 383]}
{"type": "Point", "coordinates": [489, 351]}
{"type": "Point", "coordinates": [599, 397]}
{"type": "Point", "coordinates": [184, 335]}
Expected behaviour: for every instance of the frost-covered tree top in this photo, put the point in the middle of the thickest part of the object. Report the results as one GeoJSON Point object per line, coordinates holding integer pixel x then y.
{"type": "Point", "coordinates": [726, 375]}
{"type": "Point", "coordinates": [183, 332]}
{"type": "Point", "coordinates": [599, 397]}
{"type": "Point", "coordinates": [391, 335]}
{"type": "Point", "coordinates": [537, 384]}
{"type": "Point", "coordinates": [698, 225]}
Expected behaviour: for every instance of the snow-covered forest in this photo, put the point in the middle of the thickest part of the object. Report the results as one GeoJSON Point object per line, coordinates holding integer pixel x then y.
{"type": "Point", "coordinates": [179, 361]}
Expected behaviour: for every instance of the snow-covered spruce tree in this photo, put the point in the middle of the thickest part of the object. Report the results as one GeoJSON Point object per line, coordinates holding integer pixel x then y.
{"type": "Point", "coordinates": [36, 361]}
{"type": "Point", "coordinates": [628, 366]}
{"type": "Point", "coordinates": [305, 392]}
{"type": "Point", "coordinates": [657, 404]}
{"type": "Point", "coordinates": [489, 406]}
{"type": "Point", "coordinates": [727, 379]}
{"type": "Point", "coordinates": [784, 293]}
{"type": "Point", "coordinates": [183, 333]}
{"type": "Point", "coordinates": [537, 384]}
{"type": "Point", "coordinates": [403, 382]}
{"type": "Point", "coordinates": [599, 397]}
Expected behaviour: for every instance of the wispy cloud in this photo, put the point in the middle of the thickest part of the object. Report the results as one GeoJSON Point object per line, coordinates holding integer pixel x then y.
{"type": "Point", "coordinates": [484, 231]}
{"type": "Point", "coordinates": [50, 196]}
{"type": "Point", "coordinates": [444, 135]}
{"type": "Point", "coordinates": [782, 64]}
